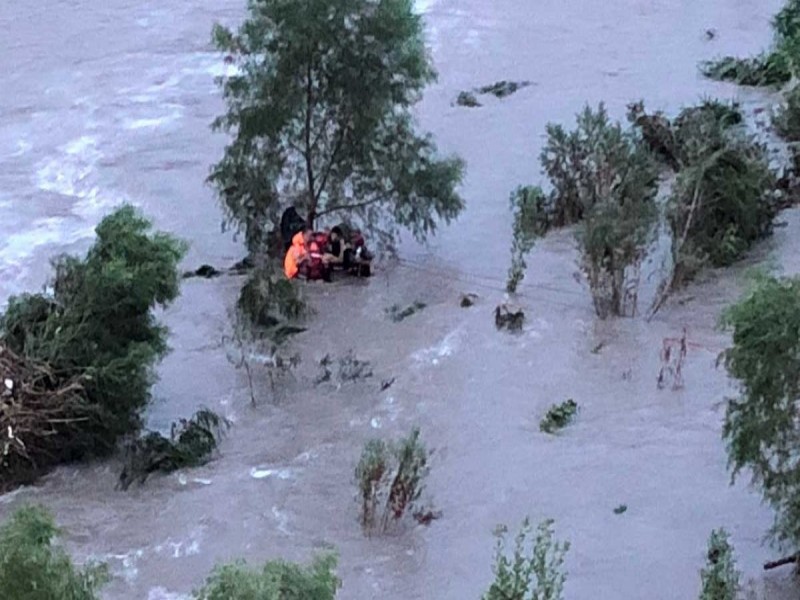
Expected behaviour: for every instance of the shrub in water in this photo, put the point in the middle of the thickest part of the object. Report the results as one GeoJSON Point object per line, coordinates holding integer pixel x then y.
{"type": "Point", "coordinates": [390, 479]}
{"type": "Point", "coordinates": [34, 567]}
{"type": "Point", "coordinates": [532, 572]}
{"type": "Point", "coordinates": [276, 580]}
{"type": "Point", "coordinates": [720, 578]}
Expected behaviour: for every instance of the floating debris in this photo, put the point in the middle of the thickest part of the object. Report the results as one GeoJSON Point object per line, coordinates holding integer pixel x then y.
{"type": "Point", "coordinates": [620, 509]}
{"type": "Point", "coordinates": [467, 99]}
{"type": "Point", "coordinates": [502, 89]}
{"type": "Point", "coordinates": [397, 314]}
{"type": "Point", "coordinates": [468, 300]}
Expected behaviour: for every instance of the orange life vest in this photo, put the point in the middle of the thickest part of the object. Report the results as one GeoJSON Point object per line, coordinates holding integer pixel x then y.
{"type": "Point", "coordinates": [294, 255]}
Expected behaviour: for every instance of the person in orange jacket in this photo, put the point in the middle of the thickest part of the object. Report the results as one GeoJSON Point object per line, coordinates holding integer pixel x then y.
{"type": "Point", "coordinates": [298, 254]}
{"type": "Point", "coordinates": [304, 258]}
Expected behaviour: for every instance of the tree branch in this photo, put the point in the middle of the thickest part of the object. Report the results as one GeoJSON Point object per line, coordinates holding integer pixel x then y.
{"type": "Point", "coordinates": [355, 205]}
{"type": "Point", "coordinates": [309, 166]}
{"type": "Point", "coordinates": [795, 558]}
{"type": "Point", "coordinates": [329, 167]}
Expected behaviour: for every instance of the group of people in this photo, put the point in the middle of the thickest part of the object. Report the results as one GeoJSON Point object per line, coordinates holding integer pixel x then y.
{"type": "Point", "coordinates": [315, 255]}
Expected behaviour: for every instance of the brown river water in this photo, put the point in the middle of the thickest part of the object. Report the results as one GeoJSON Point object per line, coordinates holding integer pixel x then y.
{"type": "Point", "coordinates": [110, 102]}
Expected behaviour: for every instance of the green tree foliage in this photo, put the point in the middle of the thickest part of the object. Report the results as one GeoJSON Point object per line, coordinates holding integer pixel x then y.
{"type": "Point", "coordinates": [775, 67]}
{"type": "Point", "coordinates": [98, 326]}
{"type": "Point", "coordinates": [277, 580]}
{"type": "Point", "coordinates": [761, 427]}
{"type": "Point", "coordinates": [321, 118]}
{"type": "Point", "coordinates": [720, 579]}
{"type": "Point", "coordinates": [34, 567]}
{"type": "Point", "coordinates": [533, 571]}
{"type": "Point", "coordinates": [604, 178]}
{"type": "Point", "coordinates": [787, 118]}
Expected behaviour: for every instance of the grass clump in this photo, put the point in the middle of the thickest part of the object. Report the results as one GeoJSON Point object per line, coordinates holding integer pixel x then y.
{"type": "Point", "coordinates": [191, 443]}
{"type": "Point", "coordinates": [503, 89]}
{"type": "Point", "coordinates": [559, 416]}
{"type": "Point", "coordinates": [390, 478]}
{"type": "Point", "coordinates": [34, 567]}
{"type": "Point", "coordinates": [276, 580]}
{"type": "Point", "coordinates": [533, 571]}
{"type": "Point", "coordinates": [720, 579]}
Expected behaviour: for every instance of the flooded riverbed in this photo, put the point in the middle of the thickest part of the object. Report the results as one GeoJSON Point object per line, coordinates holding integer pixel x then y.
{"type": "Point", "coordinates": [110, 103]}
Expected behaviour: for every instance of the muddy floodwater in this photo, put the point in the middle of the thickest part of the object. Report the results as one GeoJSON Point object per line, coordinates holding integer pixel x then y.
{"type": "Point", "coordinates": [105, 102]}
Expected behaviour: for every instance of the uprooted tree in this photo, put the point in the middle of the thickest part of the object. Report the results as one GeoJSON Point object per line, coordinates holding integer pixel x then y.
{"type": "Point", "coordinates": [320, 114]}
{"type": "Point", "coordinates": [761, 427]}
{"type": "Point", "coordinates": [77, 362]}
{"type": "Point", "coordinates": [604, 180]}
{"type": "Point", "coordinates": [34, 567]}
{"type": "Point", "coordinates": [775, 67]}
{"type": "Point", "coordinates": [724, 197]}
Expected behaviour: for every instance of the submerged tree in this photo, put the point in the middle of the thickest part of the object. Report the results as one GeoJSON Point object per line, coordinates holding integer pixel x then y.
{"type": "Point", "coordinates": [531, 221]}
{"type": "Point", "coordinates": [762, 428]}
{"type": "Point", "coordinates": [534, 571]}
{"type": "Point", "coordinates": [85, 353]}
{"type": "Point", "coordinates": [34, 567]}
{"type": "Point", "coordinates": [320, 114]}
{"type": "Point", "coordinates": [277, 580]}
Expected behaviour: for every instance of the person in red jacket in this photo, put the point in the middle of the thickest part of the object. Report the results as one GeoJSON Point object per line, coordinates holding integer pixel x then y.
{"type": "Point", "coordinates": [304, 258]}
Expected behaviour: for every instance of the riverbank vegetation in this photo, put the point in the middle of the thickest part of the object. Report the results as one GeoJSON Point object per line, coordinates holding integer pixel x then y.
{"type": "Point", "coordinates": [78, 360]}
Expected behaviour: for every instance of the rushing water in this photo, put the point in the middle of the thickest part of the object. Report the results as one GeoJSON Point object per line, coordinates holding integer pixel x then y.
{"type": "Point", "coordinates": [110, 102]}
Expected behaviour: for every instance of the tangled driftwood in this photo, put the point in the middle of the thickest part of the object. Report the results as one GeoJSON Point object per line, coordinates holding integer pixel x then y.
{"type": "Point", "coordinates": [40, 413]}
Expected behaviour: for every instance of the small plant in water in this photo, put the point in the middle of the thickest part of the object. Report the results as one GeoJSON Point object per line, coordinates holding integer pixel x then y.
{"type": "Point", "coordinates": [390, 478]}
{"type": "Point", "coordinates": [720, 577]}
{"type": "Point", "coordinates": [559, 416]}
{"type": "Point", "coordinates": [532, 572]}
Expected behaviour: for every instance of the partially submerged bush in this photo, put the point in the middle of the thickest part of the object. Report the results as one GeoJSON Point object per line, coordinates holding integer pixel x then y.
{"type": "Point", "coordinates": [775, 67]}
{"type": "Point", "coordinates": [502, 89]}
{"type": "Point", "coordinates": [467, 99]}
{"type": "Point", "coordinates": [34, 567]}
{"type": "Point", "coordinates": [532, 572]}
{"type": "Point", "coordinates": [191, 443]}
{"type": "Point", "coordinates": [276, 580]}
{"type": "Point", "coordinates": [349, 368]}
{"type": "Point", "coordinates": [761, 425]}
{"type": "Point", "coordinates": [559, 416]}
{"type": "Point", "coordinates": [96, 330]}
{"type": "Point", "coordinates": [720, 578]}
{"type": "Point", "coordinates": [390, 478]}
{"type": "Point", "coordinates": [509, 317]}
{"type": "Point", "coordinates": [721, 204]}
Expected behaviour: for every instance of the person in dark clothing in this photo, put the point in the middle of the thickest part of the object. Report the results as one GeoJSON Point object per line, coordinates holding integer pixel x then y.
{"type": "Point", "coordinates": [291, 224]}
{"type": "Point", "coordinates": [339, 253]}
